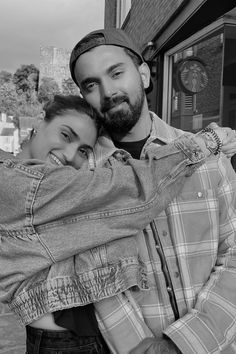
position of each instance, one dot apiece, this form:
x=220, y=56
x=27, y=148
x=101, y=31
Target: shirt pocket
x=194, y=227
x=194, y=216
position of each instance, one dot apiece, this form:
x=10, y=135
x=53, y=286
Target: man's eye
x=116, y=74
x=90, y=86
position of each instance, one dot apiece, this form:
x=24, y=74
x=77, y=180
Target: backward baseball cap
x=110, y=36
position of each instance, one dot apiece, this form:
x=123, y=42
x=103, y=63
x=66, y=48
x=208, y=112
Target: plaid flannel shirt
x=196, y=235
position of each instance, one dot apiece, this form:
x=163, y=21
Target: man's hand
x=228, y=137
x=155, y=346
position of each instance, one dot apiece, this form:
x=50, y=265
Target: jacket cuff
x=190, y=148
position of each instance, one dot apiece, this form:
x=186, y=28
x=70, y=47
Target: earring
x=32, y=133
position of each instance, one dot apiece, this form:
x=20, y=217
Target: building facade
x=54, y=64
x=190, y=46
x=9, y=134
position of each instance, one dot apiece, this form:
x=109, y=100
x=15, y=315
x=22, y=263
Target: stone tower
x=54, y=63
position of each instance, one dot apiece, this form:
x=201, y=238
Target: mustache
x=112, y=102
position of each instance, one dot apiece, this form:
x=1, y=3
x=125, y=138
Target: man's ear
x=145, y=74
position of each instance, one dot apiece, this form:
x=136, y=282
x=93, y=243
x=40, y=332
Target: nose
x=107, y=89
x=72, y=157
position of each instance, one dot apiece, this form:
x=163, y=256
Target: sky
x=27, y=24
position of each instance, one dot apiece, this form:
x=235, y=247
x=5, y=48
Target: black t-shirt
x=133, y=147
x=82, y=319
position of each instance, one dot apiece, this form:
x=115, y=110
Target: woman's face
x=66, y=140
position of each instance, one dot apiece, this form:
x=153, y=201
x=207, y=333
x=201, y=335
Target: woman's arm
x=49, y=214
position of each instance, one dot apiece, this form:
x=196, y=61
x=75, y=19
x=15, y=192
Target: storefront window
x=199, y=78
x=229, y=78
x=199, y=81
x=196, y=84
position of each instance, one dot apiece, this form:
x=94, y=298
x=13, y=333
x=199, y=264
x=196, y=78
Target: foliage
x=21, y=96
x=18, y=102
x=69, y=87
x=5, y=77
x=8, y=98
x=47, y=89
x=26, y=80
x=29, y=108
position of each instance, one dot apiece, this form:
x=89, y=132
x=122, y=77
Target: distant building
x=9, y=134
x=54, y=63
x=11, y=137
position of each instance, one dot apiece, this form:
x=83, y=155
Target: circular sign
x=192, y=75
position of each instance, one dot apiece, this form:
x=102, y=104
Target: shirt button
x=176, y=274
x=199, y=195
x=164, y=233
x=169, y=289
x=157, y=247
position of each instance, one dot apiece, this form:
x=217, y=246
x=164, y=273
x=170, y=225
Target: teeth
x=54, y=158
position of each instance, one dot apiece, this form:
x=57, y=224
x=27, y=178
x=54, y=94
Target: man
x=189, y=249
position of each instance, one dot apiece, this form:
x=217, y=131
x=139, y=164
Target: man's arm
x=210, y=327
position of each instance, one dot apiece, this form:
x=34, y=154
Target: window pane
x=196, y=84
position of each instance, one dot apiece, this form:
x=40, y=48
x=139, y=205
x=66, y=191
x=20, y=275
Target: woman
x=67, y=211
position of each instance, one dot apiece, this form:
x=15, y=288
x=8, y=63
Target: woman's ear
x=145, y=74
x=39, y=121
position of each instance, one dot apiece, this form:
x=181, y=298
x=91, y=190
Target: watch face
x=192, y=76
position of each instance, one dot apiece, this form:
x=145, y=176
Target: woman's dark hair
x=61, y=104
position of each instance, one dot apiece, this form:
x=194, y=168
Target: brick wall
x=148, y=17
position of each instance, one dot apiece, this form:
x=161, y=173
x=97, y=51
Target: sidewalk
x=12, y=335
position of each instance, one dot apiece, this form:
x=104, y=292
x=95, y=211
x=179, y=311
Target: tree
x=26, y=80
x=69, y=87
x=47, y=89
x=8, y=98
x=5, y=77
x=18, y=104
x=28, y=108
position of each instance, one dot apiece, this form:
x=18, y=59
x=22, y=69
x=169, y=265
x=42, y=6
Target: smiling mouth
x=55, y=160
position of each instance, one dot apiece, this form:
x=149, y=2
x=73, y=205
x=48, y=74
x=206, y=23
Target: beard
x=122, y=120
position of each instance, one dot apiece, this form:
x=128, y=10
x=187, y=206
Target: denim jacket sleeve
x=51, y=213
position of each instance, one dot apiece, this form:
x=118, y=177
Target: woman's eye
x=65, y=136
x=84, y=153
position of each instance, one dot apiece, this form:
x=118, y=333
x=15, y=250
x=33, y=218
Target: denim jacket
x=49, y=214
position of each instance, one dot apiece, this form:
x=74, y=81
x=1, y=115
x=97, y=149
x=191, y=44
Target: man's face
x=113, y=85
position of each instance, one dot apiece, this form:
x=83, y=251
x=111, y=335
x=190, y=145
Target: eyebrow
x=71, y=130
x=95, y=79
x=115, y=66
